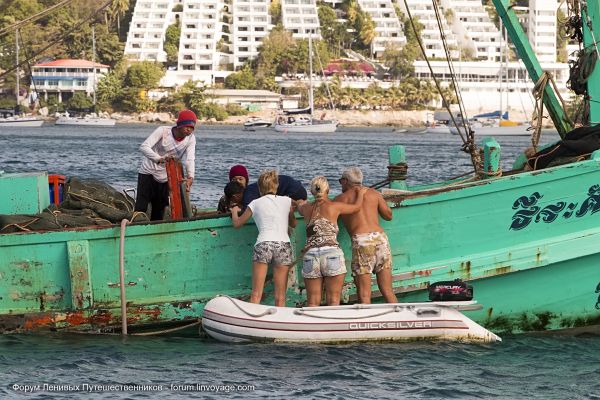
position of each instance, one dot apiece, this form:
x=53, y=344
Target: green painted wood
x=526, y=53
x=459, y=231
x=397, y=156
x=491, y=157
x=79, y=268
x=591, y=35
x=24, y=193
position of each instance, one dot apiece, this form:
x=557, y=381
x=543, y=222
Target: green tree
x=118, y=8
x=171, y=45
x=110, y=88
x=366, y=29
x=80, y=101
x=144, y=75
x=561, y=37
x=275, y=12
x=333, y=33
x=243, y=79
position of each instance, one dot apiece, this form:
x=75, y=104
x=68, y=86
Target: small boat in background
x=86, y=120
x=232, y=320
x=19, y=121
x=256, y=122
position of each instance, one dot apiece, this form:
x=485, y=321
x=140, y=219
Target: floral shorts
x=323, y=261
x=276, y=253
x=370, y=253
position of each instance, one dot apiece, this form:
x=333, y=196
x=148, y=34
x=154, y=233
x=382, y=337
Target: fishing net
x=86, y=203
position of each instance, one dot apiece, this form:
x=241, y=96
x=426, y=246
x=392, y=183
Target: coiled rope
x=538, y=112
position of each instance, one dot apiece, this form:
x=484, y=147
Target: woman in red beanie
x=237, y=173
x=176, y=142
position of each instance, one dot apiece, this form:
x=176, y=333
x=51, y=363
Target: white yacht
x=86, y=120
x=19, y=121
x=256, y=122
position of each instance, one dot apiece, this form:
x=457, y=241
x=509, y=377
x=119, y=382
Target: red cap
x=238, y=170
x=186, y=118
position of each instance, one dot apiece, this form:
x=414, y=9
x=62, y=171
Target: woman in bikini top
x=323, y=260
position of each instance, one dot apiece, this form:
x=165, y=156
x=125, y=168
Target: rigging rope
x=538, y=113
x=325, y=81
x=60, y=39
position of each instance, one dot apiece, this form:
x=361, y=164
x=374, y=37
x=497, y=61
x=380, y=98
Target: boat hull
x=528, y=243
x=233, y=320
x=320, y=127
x=85, y=121
x=22, y=122
x=444, y=130
x=519, y=130
x=257, y=125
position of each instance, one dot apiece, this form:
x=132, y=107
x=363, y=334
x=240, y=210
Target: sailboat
x=88, y=119
x=18, y=120
x=303, y=120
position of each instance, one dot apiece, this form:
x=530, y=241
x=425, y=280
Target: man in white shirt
x=165, y=142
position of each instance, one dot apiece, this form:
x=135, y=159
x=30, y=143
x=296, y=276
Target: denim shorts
x=276, y=253
x=323, y=261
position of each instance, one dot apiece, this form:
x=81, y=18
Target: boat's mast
x=590, y=13
x=94, y=63
x=501, y=71
x=310, y=72
x=17, y=87
x=526, y=53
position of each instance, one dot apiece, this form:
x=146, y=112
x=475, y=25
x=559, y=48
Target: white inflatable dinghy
x=232, y=320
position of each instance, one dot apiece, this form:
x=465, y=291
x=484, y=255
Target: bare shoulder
x=373, y=193
x=342, y=197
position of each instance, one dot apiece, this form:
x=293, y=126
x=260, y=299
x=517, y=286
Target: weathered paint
x=491, y=157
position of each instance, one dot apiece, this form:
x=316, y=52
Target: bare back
x=367, y=218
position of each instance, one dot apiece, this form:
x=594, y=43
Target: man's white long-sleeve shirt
x=161, y=144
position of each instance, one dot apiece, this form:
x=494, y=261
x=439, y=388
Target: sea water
x=55, y=366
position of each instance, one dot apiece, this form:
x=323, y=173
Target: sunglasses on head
x=342, y=179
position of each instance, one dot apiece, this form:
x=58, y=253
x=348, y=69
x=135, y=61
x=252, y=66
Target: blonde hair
x=268, y=182
x=319, y=187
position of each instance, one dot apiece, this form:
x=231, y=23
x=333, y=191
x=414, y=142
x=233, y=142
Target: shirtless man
x=370, y=246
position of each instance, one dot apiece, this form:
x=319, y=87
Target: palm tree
x=117, y=9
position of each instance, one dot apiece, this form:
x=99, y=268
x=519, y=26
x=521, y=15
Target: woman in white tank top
x=272, y=215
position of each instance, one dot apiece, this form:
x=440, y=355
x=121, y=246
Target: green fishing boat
x=526, y=240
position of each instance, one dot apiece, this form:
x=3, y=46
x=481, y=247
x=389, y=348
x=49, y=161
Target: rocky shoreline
x=346, y=118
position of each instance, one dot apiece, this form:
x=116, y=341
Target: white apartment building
x=388, y=29
x=251, y=23
x=300, y=17
x=473, y=28
x=149, y=23
x=203, y=45
x=489, y=86
x=542, y=29
x=423, y=11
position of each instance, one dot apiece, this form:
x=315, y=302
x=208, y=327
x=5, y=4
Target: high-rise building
x=149, y=23
x=475, y=32
x=388, y=29
x=422, y=10
x=300, y=17
x=542, y=28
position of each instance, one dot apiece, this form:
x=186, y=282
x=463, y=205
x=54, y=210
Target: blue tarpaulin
x=494, y=114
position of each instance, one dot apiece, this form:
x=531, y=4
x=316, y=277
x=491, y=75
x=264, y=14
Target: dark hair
x=232, y=188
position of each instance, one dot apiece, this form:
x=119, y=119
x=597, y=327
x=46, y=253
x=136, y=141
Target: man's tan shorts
x=370, y=253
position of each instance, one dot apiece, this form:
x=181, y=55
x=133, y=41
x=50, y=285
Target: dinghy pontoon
x=231, y=320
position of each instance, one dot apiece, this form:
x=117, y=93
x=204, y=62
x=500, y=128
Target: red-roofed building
x=65, y=77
